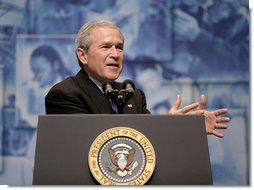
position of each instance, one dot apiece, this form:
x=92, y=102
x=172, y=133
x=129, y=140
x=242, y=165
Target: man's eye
x=119, y=47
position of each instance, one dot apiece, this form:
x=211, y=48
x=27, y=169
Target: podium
x=64, y=144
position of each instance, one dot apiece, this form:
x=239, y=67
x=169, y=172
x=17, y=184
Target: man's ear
x=82, y=55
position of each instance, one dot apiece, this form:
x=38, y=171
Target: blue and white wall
x=187, y=47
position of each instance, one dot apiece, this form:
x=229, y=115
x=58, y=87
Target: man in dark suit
x=100, y=52
x=79, y=94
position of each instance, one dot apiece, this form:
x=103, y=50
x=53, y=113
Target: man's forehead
x=106, y=33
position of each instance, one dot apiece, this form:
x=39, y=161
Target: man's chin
x=112, y=77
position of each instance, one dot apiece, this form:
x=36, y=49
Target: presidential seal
x=121, y=156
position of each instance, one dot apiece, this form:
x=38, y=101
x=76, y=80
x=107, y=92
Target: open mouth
x=113, y=65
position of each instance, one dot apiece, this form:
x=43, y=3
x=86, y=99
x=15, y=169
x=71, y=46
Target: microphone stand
x=122, y=98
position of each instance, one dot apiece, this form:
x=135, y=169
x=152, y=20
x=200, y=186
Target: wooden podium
x=179, y=142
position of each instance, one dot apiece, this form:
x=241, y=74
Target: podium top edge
x=120, y=115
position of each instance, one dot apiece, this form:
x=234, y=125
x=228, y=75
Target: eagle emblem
x=122, y=156
x=119, y=156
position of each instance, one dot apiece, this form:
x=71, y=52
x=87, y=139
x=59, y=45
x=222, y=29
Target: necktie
x=114, y=109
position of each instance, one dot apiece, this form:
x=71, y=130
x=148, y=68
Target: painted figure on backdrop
x=221, y=29
x=47, y=68
x=160, y=91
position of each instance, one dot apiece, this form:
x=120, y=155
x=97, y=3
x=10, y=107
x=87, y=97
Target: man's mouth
x=113, y=65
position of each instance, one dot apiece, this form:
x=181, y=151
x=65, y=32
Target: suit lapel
x=130, y=107
x=99, y=100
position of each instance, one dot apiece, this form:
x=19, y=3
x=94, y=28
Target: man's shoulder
x=66, y=83
x=72, y=81
x=65, y=89
x=69, y=87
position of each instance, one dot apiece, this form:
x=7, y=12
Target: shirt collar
x=98, y=83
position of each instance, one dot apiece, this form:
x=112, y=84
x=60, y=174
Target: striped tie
x=114, y=109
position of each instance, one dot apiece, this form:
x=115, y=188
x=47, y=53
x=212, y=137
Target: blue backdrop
x=187, y=47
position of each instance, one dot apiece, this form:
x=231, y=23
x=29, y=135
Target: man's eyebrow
x=120, y=44
x=111, y=43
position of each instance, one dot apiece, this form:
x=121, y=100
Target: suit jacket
x=80, y=95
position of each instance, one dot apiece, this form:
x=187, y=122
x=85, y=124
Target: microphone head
x=107, y=87
x=129, y=86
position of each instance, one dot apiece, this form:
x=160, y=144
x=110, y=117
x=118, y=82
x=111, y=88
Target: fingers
x=190, y=107
x=220, y=111
x=175, y=108
x=177, y=103
x=217, y=134
x=221, y=126
x=202, y=102
x=222, y=119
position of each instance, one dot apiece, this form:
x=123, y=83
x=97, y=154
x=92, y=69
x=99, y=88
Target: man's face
x=104, y=60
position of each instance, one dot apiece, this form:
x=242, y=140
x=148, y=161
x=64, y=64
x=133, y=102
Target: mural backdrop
x=187, y=47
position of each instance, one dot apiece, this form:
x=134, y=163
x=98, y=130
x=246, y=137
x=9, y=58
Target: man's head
x=99, y=48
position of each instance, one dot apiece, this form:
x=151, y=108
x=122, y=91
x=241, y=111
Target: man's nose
x=113, y=52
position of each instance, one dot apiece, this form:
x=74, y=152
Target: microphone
x=125, y=93
x=112, y=93
x=129, y=86
x=119, y=97
x=107, y=87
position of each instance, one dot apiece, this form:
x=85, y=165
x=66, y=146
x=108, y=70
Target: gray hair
x=83, y=39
